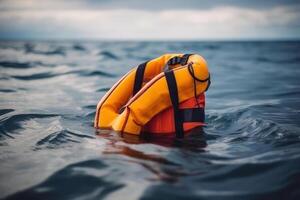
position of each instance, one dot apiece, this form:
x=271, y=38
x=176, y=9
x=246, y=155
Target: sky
x=150, y=20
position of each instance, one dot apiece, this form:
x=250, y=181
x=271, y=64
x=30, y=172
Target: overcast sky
x=150, y=20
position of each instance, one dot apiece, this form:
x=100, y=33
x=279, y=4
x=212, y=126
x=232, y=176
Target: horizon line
x=152, y=40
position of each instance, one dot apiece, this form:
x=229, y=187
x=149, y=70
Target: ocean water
x=250, y=148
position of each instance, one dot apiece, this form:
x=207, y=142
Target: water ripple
x=78, y=48
x=46, y=75
x=54, y=140
x=249, y=148
x=108, y=55
x=19, y=65
x=30, y=48
x=98, y=73
x=73, y=176
x=10, y=124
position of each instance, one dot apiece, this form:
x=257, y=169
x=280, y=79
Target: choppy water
x=250, y=148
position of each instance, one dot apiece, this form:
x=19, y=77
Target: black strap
x=139, y=77
x=172, y=86
x=192, y=114
x=177, y=60
x=192, y=73
x=185, y=59
x=208, y=84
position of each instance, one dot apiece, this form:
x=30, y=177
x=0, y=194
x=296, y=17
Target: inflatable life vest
x=163, y=95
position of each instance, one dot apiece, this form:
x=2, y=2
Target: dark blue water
x=250, y=148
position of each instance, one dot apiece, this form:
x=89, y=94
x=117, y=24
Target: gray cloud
x=143, y=5
x=123, y=20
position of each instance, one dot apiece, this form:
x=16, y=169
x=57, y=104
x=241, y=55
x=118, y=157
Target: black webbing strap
x=174, y=61
x=184, y=59
x=192, y=114
x=172, y=86
x=139, y=77
x=177, y=60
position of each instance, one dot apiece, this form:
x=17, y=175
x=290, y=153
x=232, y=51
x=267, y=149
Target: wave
x=19, y=65
x=4, y=111
x=35, y=76
x=10, y=124
x=46, y=75
x=7, y=90
x=73, y=176
x=30, y=48
x=78, y=47
x=65, y=136
x=105, y=89
x=244, y=124
x=279, y=61
x=97, y=73
x=108, y=55
x=251, y=137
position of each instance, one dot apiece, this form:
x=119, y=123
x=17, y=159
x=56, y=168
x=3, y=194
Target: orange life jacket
x=163, y=95
x=192, y=115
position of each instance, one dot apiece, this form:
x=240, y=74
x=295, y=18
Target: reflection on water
x=193, y=141
x=250, y=148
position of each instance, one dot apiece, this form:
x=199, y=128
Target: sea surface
x=250, y=148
